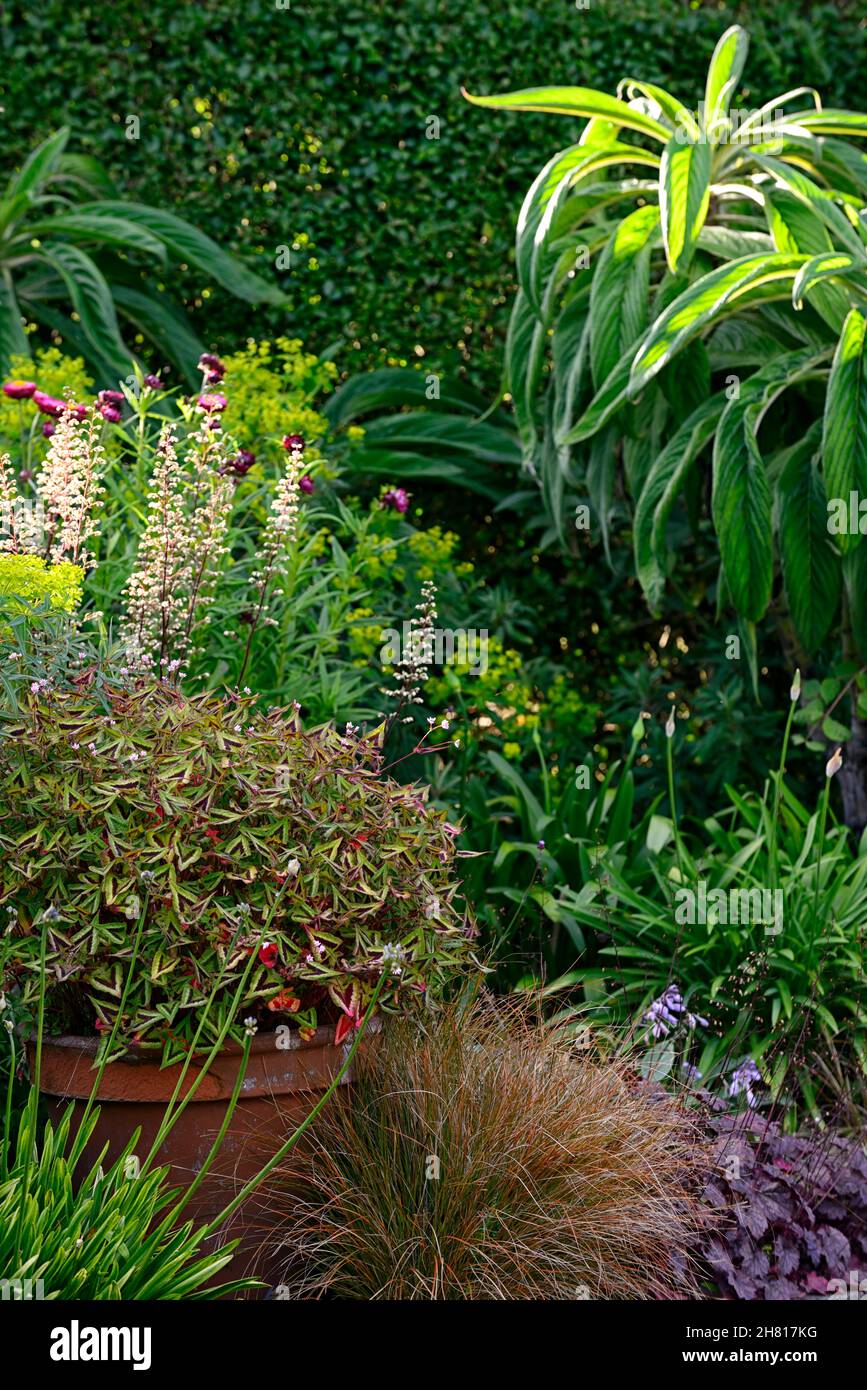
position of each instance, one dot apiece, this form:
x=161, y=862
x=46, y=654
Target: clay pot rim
x=262, y=1043
x=68, y=1063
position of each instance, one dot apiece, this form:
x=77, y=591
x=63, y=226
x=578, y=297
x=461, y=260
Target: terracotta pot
x=280, y=1087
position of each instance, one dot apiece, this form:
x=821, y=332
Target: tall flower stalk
x=63, y=518
x=280, y=540
x=179, y=553
x=411, y=668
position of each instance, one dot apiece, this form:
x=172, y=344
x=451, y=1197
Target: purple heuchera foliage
x=789, y=1210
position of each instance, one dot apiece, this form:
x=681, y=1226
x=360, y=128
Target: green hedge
x=271, y=126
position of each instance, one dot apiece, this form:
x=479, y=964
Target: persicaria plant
x=189, y=857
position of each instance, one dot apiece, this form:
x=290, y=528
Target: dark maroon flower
x=26, y=473
x=49, y=405
x=293, y=441
x=48, y=429
x=212, y=402
x=397, y=498
x=241, y=463
x=306, y=484
x=153, y=381
x=268, y=954
x=110, y=413
x=111, y=398
x=19, y=390
x=213, y=368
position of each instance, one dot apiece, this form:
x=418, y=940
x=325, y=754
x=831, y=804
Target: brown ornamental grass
x=480, y=1157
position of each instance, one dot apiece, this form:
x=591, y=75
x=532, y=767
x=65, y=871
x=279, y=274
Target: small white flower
x=292, y=867
x=444, y=724
x=834, y=763
x=251, y=1027
x=795, y=692
x=391, y=958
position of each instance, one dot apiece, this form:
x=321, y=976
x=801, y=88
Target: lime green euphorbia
x=30, y=579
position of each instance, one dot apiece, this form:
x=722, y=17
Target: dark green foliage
x=272, y=126
x=74, y=258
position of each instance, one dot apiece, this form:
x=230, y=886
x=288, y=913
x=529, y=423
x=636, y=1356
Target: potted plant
x=215, y=897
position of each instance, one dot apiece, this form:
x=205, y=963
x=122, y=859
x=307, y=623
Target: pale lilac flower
x=666, y=1012
x=743, y=1079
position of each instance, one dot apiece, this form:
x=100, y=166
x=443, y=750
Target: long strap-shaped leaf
x=737, y=282
x=92, y=299
x=674, y=111
x=546, y=196
x=752, y=279
x=575, y=101
x=742, y=509
x=811, y=566
x=831, y=122
x=684, y=195
x=830, y=265
x=36, y=169
x=819, y=200
x=618, y=297
x=13, y=339
x=666, y=478
x=187, y=243
x=723, y=76
x=844, y=440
